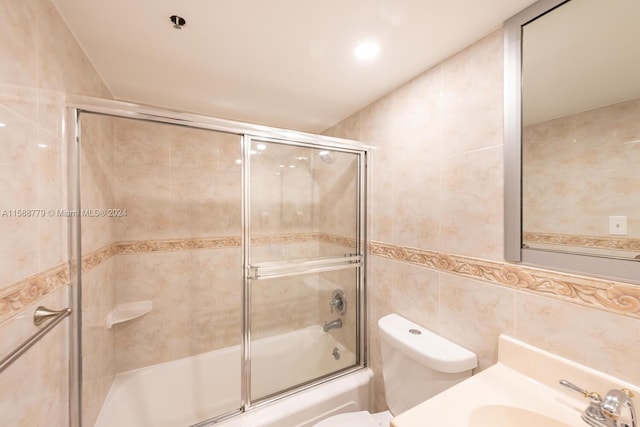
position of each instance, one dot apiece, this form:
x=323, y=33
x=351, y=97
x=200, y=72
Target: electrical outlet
x=618, y=225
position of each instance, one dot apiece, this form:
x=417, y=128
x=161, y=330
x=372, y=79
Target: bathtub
x=185, y=392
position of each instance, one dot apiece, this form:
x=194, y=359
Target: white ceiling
x=583, y=55
x=284, y=63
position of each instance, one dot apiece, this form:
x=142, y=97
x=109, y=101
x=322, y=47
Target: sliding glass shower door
x=303, y=262
x=217, y=265
x=161, y=285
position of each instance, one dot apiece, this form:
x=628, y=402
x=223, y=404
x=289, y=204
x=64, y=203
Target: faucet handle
x=595, y=397
x=592, y=415
x=338, y=302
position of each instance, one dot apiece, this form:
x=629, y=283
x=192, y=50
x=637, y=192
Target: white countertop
x=525, y=377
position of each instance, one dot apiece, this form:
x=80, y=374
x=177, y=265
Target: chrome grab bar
x=39, y=316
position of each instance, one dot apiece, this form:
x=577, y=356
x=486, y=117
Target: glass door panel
x=301, y=196
x=304, y=263
x=176, y=196
x=289, y=344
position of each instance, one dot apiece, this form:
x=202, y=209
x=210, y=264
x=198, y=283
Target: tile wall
x=175, y=182
x=580, y=169
x=436, y=228
x=41, y=64
x=34, y=389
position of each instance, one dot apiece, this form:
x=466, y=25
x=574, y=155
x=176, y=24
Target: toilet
x=416, y=365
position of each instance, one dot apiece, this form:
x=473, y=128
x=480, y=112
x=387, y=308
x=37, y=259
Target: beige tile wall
x=97, y=165
x=437, y=185
x=473, y=313
x=338, y=194
x=34, y=389
x=175, y=182
x=41, y=64
x=581, y=168
x=284, y=304
x=98, y=352
x=196, y=299
x=284, y=190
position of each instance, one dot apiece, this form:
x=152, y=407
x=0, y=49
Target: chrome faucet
x=618, y=406
x=334, y=324
x=616, y=410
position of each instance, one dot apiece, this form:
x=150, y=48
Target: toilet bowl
x=416, y=365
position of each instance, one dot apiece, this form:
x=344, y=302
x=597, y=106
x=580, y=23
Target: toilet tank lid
x=425, y=347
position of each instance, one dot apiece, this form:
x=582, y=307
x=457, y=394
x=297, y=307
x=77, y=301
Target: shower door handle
x=272, y=270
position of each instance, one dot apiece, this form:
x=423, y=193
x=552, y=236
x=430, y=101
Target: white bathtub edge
x=351, y=392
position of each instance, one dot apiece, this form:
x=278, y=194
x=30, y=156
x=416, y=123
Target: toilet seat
x=357, y=419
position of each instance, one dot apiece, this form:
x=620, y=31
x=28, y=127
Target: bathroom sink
x=501, y=415
x=521, y=390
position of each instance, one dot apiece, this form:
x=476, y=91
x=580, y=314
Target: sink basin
x=521, y=390
x=501, y=415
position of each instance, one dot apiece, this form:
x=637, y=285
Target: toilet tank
x=418, y=364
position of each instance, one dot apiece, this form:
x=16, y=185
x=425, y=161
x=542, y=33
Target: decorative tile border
x=95, y=258
x=173, y=245
x=602, y=294
x=334, y=239
x=611, y=296
x=21, y=294
x=285, y=238
x=587, y=241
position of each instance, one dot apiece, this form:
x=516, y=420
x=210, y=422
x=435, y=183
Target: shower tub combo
x=247, y=246
x=184, y=392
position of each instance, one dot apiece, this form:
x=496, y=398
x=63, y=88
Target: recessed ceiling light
x=366, y=50
x=261, y=147
x=238, y=162
x=2, y=125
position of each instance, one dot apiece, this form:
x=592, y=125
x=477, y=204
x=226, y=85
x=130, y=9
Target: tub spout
x=334, y=324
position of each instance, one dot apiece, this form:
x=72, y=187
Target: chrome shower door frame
x=270, y=270
x=248, y=132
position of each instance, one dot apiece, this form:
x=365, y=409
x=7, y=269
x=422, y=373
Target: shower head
x=326, y=156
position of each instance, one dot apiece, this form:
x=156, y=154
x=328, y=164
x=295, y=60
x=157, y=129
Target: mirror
x=572, y=137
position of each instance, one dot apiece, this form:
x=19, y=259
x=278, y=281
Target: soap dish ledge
x=128, y=311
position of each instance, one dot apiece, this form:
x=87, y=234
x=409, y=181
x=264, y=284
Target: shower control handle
x=338, y=302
